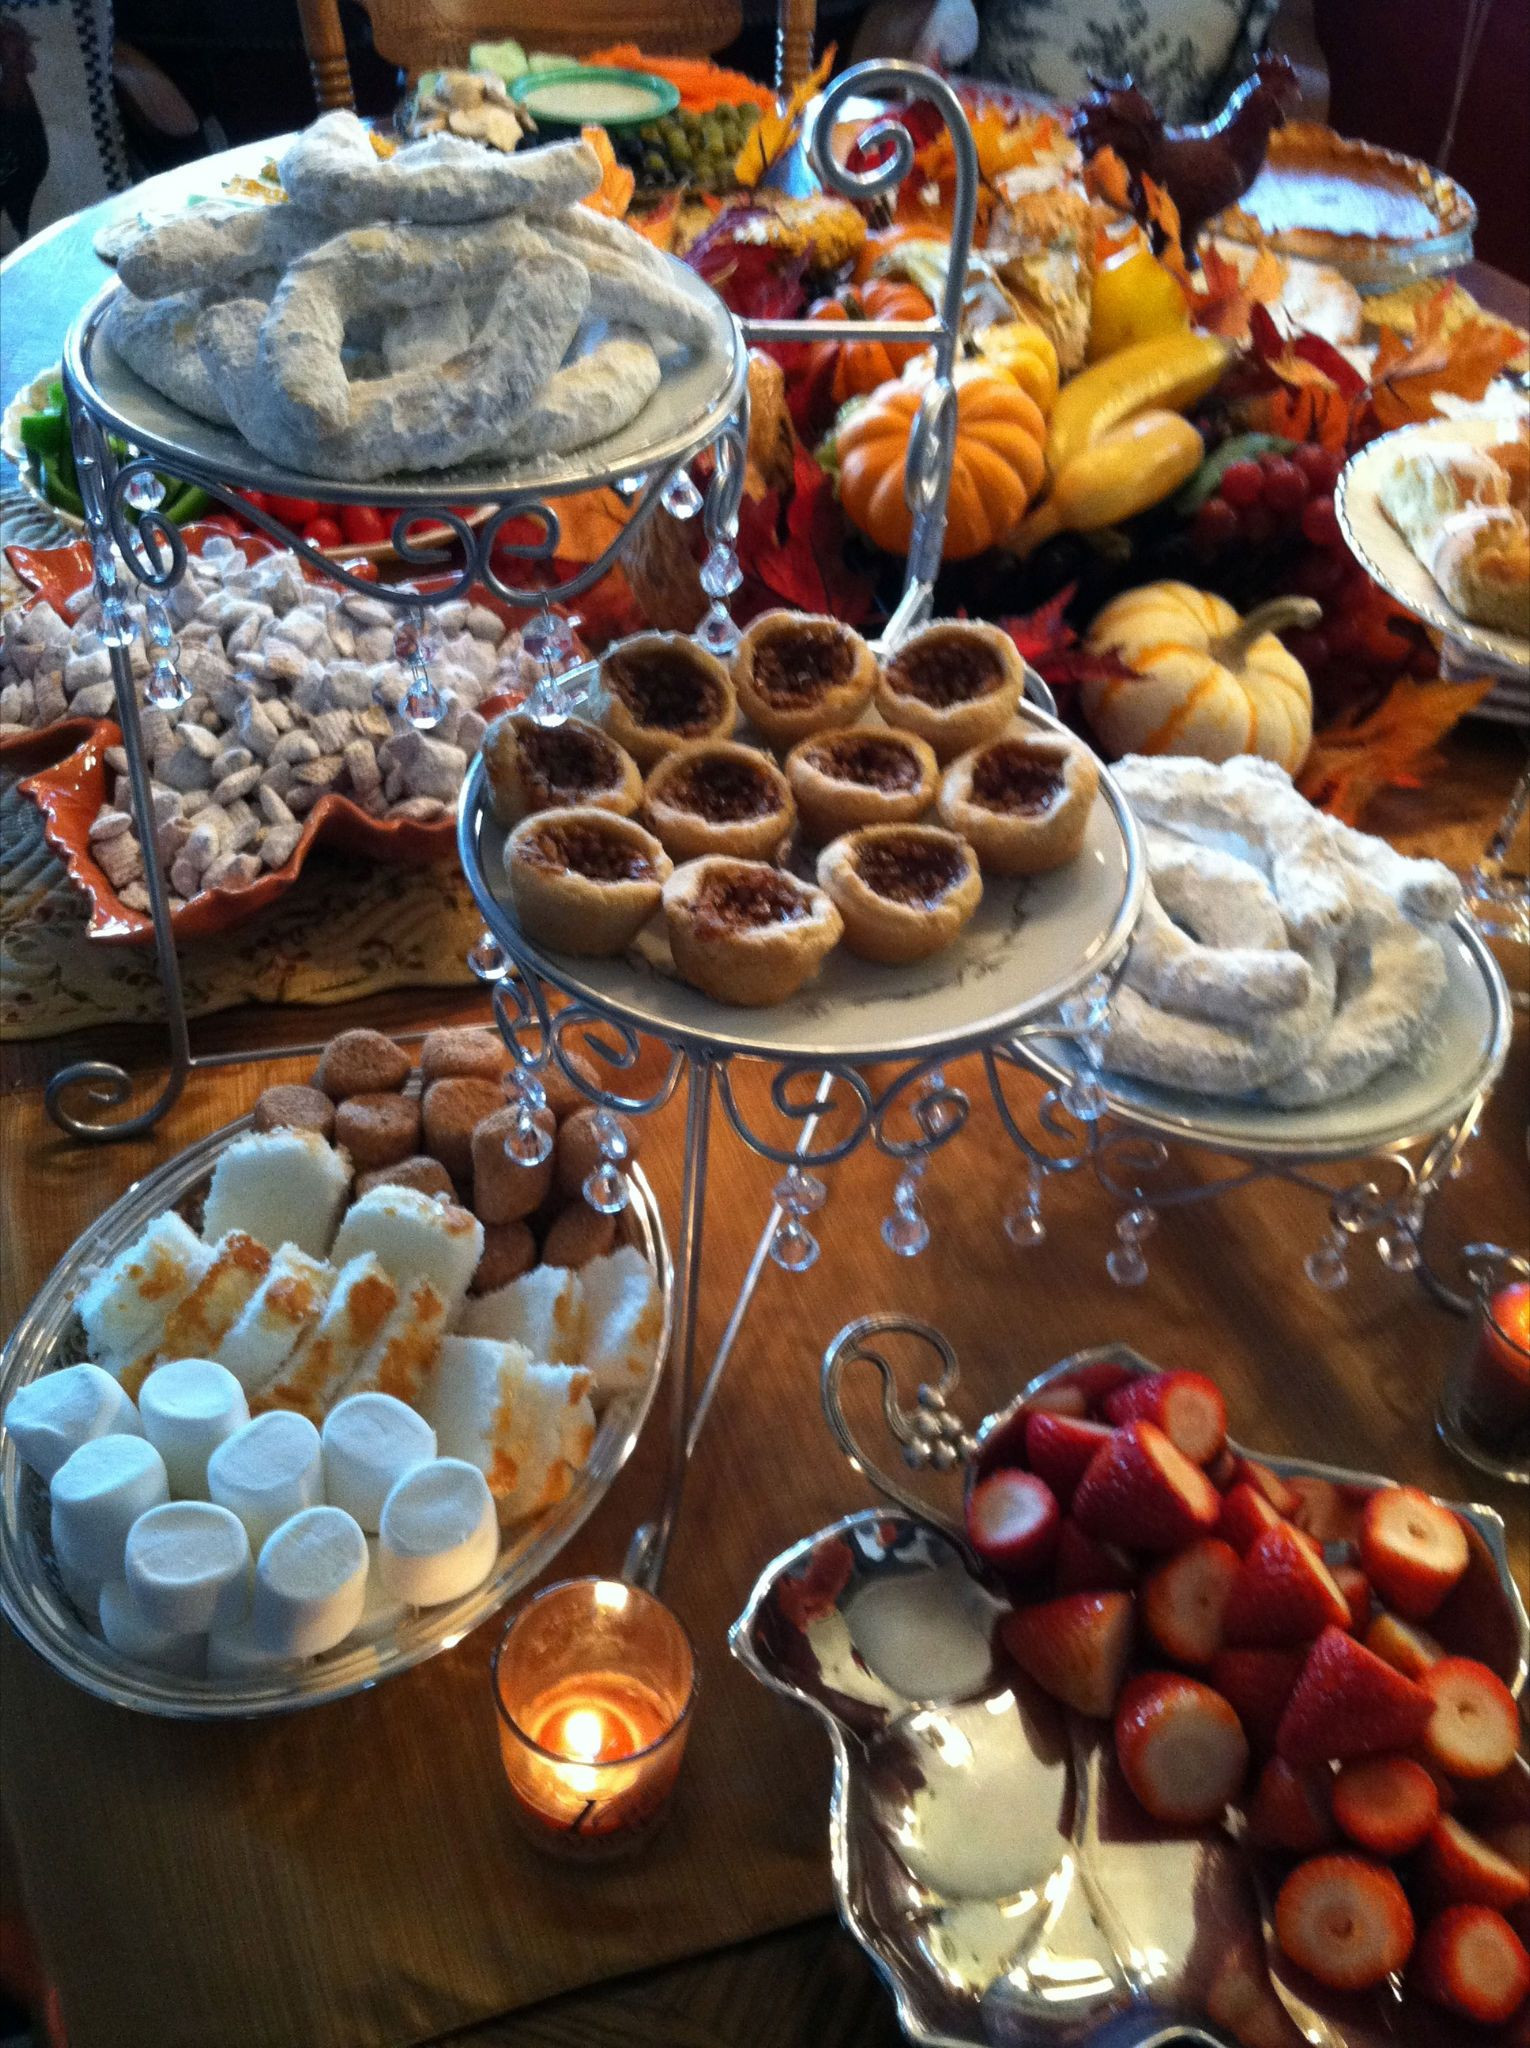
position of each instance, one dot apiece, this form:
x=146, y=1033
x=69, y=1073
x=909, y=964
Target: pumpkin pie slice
x=747, y=933
x=863, y=775
x=904, y=891
x=665, y=692
x=533, y=767
x=584, y=880
x=955, y=683
x=1021, y=802
x=797, y=673
x=719, y=797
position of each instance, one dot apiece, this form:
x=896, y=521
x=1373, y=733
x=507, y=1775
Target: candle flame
x=584, y=1734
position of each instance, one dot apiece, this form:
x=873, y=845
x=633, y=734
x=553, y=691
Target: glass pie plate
x=32, y=1595
x=986, y=1852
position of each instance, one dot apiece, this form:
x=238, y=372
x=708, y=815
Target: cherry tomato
x=360, y=566
x=294, y=512
x=257, y=500
x=323, y=532
x=362, y=525
x=225, y=522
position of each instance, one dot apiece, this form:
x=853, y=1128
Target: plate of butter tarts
x=534, y=767
x=1030, y=943
x=861, y=775
x=956, y=683
x=904, y=891
x=718, y=797
x=1022, y=801
x=746, y=932
x=663, y=692
x=584, y=879
x=798, y=673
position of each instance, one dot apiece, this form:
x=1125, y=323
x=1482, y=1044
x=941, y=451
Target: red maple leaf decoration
x=753, y=278
x=1049, y=644
x=796, y=556
x=920, y=117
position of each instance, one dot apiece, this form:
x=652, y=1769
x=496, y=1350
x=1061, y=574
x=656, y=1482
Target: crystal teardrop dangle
x=487, y=958
x=906, y=1231
x=680, y=498
x=1326, y=1267
x=416, y=644
x=605, y=1187
x=1023, y=1225
x=1126, y=1265
x=793, y=1246
x=144, y=491
x=167, y=689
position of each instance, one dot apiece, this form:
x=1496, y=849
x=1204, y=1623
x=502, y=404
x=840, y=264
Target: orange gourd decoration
x=860, y=366
x=882, y=241
x=996, y=470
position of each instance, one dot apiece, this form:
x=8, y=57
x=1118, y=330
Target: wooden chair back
x=421, y=35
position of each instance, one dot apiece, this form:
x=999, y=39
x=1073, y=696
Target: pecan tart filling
x=534, y=767
x=798, y=673
x=665, y=692
x=955, y=683
x=861, y=776
x=719, y=798
x=904, y=891
x=584, y=880
x=745, y=932
x=1022, y=801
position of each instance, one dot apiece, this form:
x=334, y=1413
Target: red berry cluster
x=1263, y=497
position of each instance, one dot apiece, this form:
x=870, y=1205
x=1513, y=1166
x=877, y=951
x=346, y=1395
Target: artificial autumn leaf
x=919, y=117
x=1224, y=300
x=755, y=277
x=1408, y=376
x=1163, y=222
x=797, y=556
x=588, y=522
x=1051, y=647
x=773, y=133
x=661, y=225
x=1390, y=748
x=1300, y=387
x=617, y=184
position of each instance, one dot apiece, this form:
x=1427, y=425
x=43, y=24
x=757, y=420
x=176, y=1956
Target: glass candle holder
x=1484, y=1413
x=594, y=1681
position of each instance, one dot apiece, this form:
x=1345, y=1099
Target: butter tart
x=863, y=775
x=583, y=879
x=1022, y=802
x=665, y=692
x=904, y=891
x=719, y=797
x=955, y=683
x=797, y=673
x=744, y=932
x=534, y=767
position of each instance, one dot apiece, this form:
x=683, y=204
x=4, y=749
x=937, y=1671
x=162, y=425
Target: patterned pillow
x=1186, y=55
x=60, y=139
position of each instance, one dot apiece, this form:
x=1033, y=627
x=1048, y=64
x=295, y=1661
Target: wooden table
x=1354, y=1374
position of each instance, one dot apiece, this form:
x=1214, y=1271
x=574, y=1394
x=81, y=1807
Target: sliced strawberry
x=1408, y=1650
x=1081, y=1565
x=1474, y=1729
x=1258, y=1683
x=1348, y=1703
x=1356, y=1588
x=1292, y=1809
x=1003, y=1445
x=1270, y=1484
x=1511, y=1838
x=1472, y=1872
x=1284, y=1593
x=1186, y=1406
x=1240, y=1999
x=1063, y=1397
x=1414, y=1549
x=1320, y=1509
x=1387, y=1804
x=1245, y=1516
x=1344, y=1921
x=1180, y=1746
x=1059, y=1447
x=1141, y=1492
x=1223, y=1469
x=1183, y=1600
x=1471, y=1961
x=1012, y=1521
x=1075, y=1648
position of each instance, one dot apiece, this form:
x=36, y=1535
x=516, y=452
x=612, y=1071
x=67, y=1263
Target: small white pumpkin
x=1203, y=680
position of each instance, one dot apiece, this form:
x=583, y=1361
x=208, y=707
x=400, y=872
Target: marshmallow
x=438, y=1536
x=187, y=1566
x=267, y=1471
x=188, y=1408
x=278, y=1316
x=126, y=1631
x=544, y=1310
x=416, y=1237
x=370, y=1441
x=98, y=1493
x=346, y=1335
x=383, y=1611
x=52, y=1416
x=280, y=1186
x=528, y=1428
x=235, y=1653
x=310, y=1583
x=81, y=1589
x=124, y=1308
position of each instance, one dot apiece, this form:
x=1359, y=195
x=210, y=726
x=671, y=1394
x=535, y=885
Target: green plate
x=574, y=95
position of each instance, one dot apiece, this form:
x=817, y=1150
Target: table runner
x=351, y=1877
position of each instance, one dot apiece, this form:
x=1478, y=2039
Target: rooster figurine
x=1202, y=169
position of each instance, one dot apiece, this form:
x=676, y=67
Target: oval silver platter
x=1406, y=1103
x=985, y=1852
x=32, y=1595
x=1030, y=945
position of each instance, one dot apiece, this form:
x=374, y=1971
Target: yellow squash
x=1169, y=372
x=1203, y=680
x=1022, y=351
x=1135, y=298
x=1134, y=466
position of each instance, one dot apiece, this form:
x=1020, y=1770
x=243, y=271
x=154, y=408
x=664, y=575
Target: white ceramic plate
x=1029, y=946
x=1386, y=557
x=1467, y=1050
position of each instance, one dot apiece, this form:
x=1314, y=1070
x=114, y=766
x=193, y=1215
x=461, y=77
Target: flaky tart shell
x=517, y=788
x=751, y=966
x=877, y=927
x=687, y=833
x=828, y=804
x=1022, y=842
x=647, y=740
x=952, y=728
x=838, y=703
x=581, y=913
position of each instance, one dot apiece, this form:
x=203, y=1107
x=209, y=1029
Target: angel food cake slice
x=527, y=1427
x=282, y=1187
x=354, y=1319
x=199, y=1322
x=623, y=1316
x=278, y=1315
x=544, y=1310
x=403, y=1360
x=124, y=1308
x=416, y=1237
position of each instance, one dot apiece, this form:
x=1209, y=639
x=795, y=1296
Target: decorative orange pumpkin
x=882, y=241
x=996, y=470
x=1203, y=680
x=860, y=366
